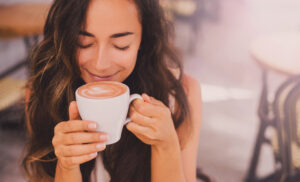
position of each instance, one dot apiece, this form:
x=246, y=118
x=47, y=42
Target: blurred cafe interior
x=244, y=53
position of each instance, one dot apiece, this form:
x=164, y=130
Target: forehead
x=112, y=16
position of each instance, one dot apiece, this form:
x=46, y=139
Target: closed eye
x=121, y=48
x=84, y=46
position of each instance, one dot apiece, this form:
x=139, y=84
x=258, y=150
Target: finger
x=73, y=111
x=140, y=119
x=157, y=102
x=138, y=129
x=145, y=108
x=146, y=98
x=75, y=126
x=76, y=160
x=78, y=150
x=84, y=137
x=145, y=139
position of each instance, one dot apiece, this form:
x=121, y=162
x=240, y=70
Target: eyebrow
x=121, y=34
x=112, y=36
x=86, y=34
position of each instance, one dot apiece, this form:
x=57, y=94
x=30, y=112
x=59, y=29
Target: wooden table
x=22, y=20
x=278, y=53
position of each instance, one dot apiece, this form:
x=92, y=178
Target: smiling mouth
x=101, y=78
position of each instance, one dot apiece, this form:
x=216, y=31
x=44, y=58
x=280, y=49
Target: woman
x=120, y=40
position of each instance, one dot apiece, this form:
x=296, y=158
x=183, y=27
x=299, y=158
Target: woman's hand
x=152, y=123
x=75, y=141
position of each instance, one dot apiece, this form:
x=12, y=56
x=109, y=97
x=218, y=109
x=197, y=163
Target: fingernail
x=93, y=154
x=101, y=145
x=92, y=125
x=103, y=137
x=147, y=98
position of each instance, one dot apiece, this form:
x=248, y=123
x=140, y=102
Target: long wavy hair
x=55, y=75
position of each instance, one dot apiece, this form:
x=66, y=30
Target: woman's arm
x=62, y=174
x=173, y=164
x=166, y=164
x=189, y=152
x=152, y=123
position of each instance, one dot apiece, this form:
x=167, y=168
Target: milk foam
x=101, y=90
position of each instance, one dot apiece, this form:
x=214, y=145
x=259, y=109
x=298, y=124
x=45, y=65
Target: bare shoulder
x=193, y=92
x=191, y=87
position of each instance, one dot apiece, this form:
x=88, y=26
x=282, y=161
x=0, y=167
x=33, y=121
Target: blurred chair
x=10, y=108
x=24, y=21
x=285, y=141
x=188, y=11
x=279, y=53
x=288, y=118
x=203, y=177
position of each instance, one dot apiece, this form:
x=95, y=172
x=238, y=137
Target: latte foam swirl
x=101, y=90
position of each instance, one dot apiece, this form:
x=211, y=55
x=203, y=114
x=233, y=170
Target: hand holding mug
x=106, y=103
x=75, y=141
x=152, y=122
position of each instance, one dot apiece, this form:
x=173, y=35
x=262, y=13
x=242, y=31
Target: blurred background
x=227, y=46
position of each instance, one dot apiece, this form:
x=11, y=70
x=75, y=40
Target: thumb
x=73, y=111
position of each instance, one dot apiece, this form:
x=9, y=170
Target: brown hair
x=55, y=76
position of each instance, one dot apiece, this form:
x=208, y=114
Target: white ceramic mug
x=109, y=113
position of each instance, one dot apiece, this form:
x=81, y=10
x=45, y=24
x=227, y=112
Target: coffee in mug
x=106, y=103
x=101, y=90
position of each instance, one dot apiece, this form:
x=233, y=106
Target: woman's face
x=109, y=44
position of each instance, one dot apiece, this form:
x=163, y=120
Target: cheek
x=84, y=55
x=126, y=59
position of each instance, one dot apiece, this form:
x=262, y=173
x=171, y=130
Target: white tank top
x=99, y=174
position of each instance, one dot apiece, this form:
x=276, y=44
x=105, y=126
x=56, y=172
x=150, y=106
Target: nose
x=102, y=62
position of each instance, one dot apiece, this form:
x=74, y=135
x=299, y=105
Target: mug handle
x=132, y=98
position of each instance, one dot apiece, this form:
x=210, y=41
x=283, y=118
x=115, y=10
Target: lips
x=101, y=78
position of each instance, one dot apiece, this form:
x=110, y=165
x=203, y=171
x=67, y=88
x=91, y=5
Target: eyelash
x=84, y=47
x=122, y=48
x=89, y=45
